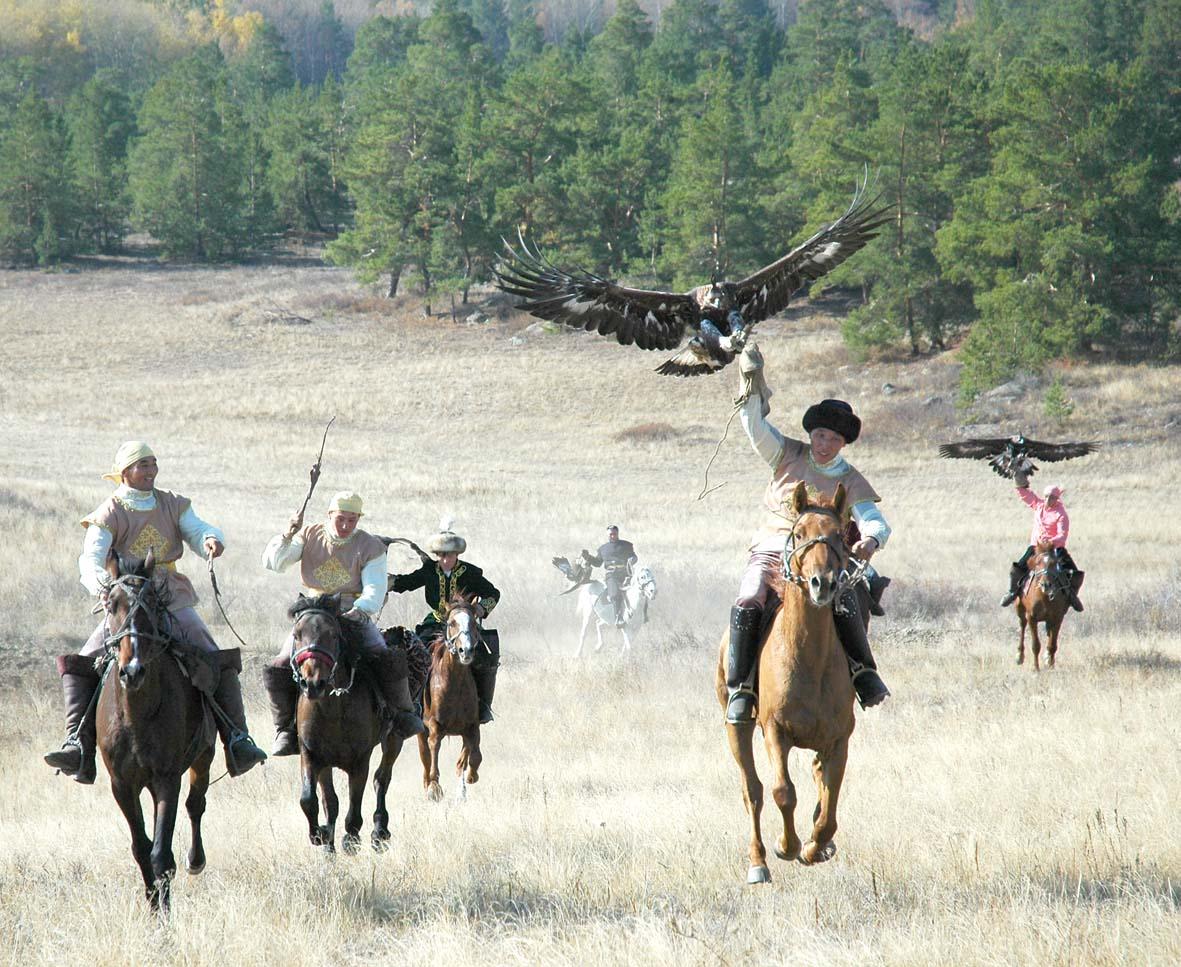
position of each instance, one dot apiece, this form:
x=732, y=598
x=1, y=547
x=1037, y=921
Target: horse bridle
x=135, y=587
x=315, y=652
x=848, y=577
x=450, y=640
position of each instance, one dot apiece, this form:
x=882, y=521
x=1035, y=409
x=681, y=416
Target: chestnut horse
x=338, y=724
x=1045, y=599
x=450, y=705
x=805, y=692
x=152, y=726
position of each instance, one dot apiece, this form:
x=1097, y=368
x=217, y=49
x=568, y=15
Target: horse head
x=315, y=642
x=815, y=558
x=137, y=608
x=645, y=582
x=1046, y=569
x=462, y=633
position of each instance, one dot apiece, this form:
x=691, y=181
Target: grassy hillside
x=989, y=815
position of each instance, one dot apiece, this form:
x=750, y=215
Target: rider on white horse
x=617, y=558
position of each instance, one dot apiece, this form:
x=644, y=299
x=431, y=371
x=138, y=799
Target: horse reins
x=848, y=577
x=314, y=652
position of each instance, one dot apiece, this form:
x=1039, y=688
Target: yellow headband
x=130, y=452
x=346, y=501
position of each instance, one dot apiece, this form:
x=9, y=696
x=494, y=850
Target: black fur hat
x=835, y=415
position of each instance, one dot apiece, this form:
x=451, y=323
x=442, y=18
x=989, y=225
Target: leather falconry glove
x=751, y=380
x=1020, y=477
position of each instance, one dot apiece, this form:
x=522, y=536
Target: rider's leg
x=390, y=677
x=241, y=752
x=870, y=688
x=283, y=697
x=79, y=683
x=484, y=670
x=1017, y=575
x=746, y=619
x=1075, y=578
x=877, y=587
x=615, y=596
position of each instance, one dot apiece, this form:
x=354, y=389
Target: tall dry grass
x=989, y=815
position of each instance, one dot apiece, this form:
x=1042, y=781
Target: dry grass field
x=989, y=815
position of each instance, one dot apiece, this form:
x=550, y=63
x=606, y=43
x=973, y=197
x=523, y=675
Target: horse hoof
x=812, y=854
x=788, y=854
x=351, y=844
x=195, y=867
x=434, y=793
x=758, y=874
x=380, y=842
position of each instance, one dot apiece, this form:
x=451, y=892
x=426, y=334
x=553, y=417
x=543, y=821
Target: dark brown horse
x=152, y=726
x=805, y=692
x=1045, y=599
x=450, y=705
x=338, y=723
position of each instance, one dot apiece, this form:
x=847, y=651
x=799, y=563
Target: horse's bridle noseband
x=317, y=653
x=450, y=640
x=135, y=587
x=849, y=575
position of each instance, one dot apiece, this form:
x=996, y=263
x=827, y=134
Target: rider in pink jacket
x=1051, y=525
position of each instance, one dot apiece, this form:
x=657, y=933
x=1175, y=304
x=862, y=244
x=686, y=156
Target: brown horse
x=450, y=705
x=152, y=726
x=805, y=693
x=338, y=723
x=1045, y=599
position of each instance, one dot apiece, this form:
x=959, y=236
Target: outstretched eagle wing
x=974, y=449
x=769, y=290
x=1053, y=452
x=583, y=300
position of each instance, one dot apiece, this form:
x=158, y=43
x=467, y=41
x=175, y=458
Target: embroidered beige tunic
x=353, y=567
x=135, y=532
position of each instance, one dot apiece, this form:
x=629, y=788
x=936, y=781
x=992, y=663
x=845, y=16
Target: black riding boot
x=877, y=587
x=389, y=674
x=79, y=682
x=484, y=670
x=867, y=683
x=1017, y=575
x=1076, y=583
x=242, y=754
x=283, y=695
x=741, y=653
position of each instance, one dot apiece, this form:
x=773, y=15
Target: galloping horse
x=805, y=692
x=152, y=726
x=338, y=724
x=450, y=705
x=1045, y=599
x=593, y=604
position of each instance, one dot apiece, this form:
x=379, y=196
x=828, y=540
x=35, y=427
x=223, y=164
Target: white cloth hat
x=346, y=501
x=128, y=453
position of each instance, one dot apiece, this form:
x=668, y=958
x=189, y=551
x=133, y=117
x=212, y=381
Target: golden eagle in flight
x=1007, y=454
x=719, y=316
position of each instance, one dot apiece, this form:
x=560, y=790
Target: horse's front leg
x=741, y=739
x=1035, y=644
x=1052, y=641
x=166, y=793
x=783, y=792
x=127, y=796
x=358, y=777
x=829, y=771
x=434, y=791
x=1021, y=640
x=308, y=801
x=331, y=808
x=626, y=647
x=471, y=757
x=195, y=807
x=391, y=746
x=598, y=634
x=582, y=634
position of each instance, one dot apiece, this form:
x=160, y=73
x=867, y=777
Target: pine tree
x=35, y=199
x=101, y=125
x=186, y=169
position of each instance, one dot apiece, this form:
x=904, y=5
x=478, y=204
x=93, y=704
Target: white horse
x=593, y=603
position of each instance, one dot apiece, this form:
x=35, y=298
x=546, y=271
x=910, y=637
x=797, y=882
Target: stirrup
x=237, y=764
x=63, y=759
x=735, y=710
x=876, y=698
